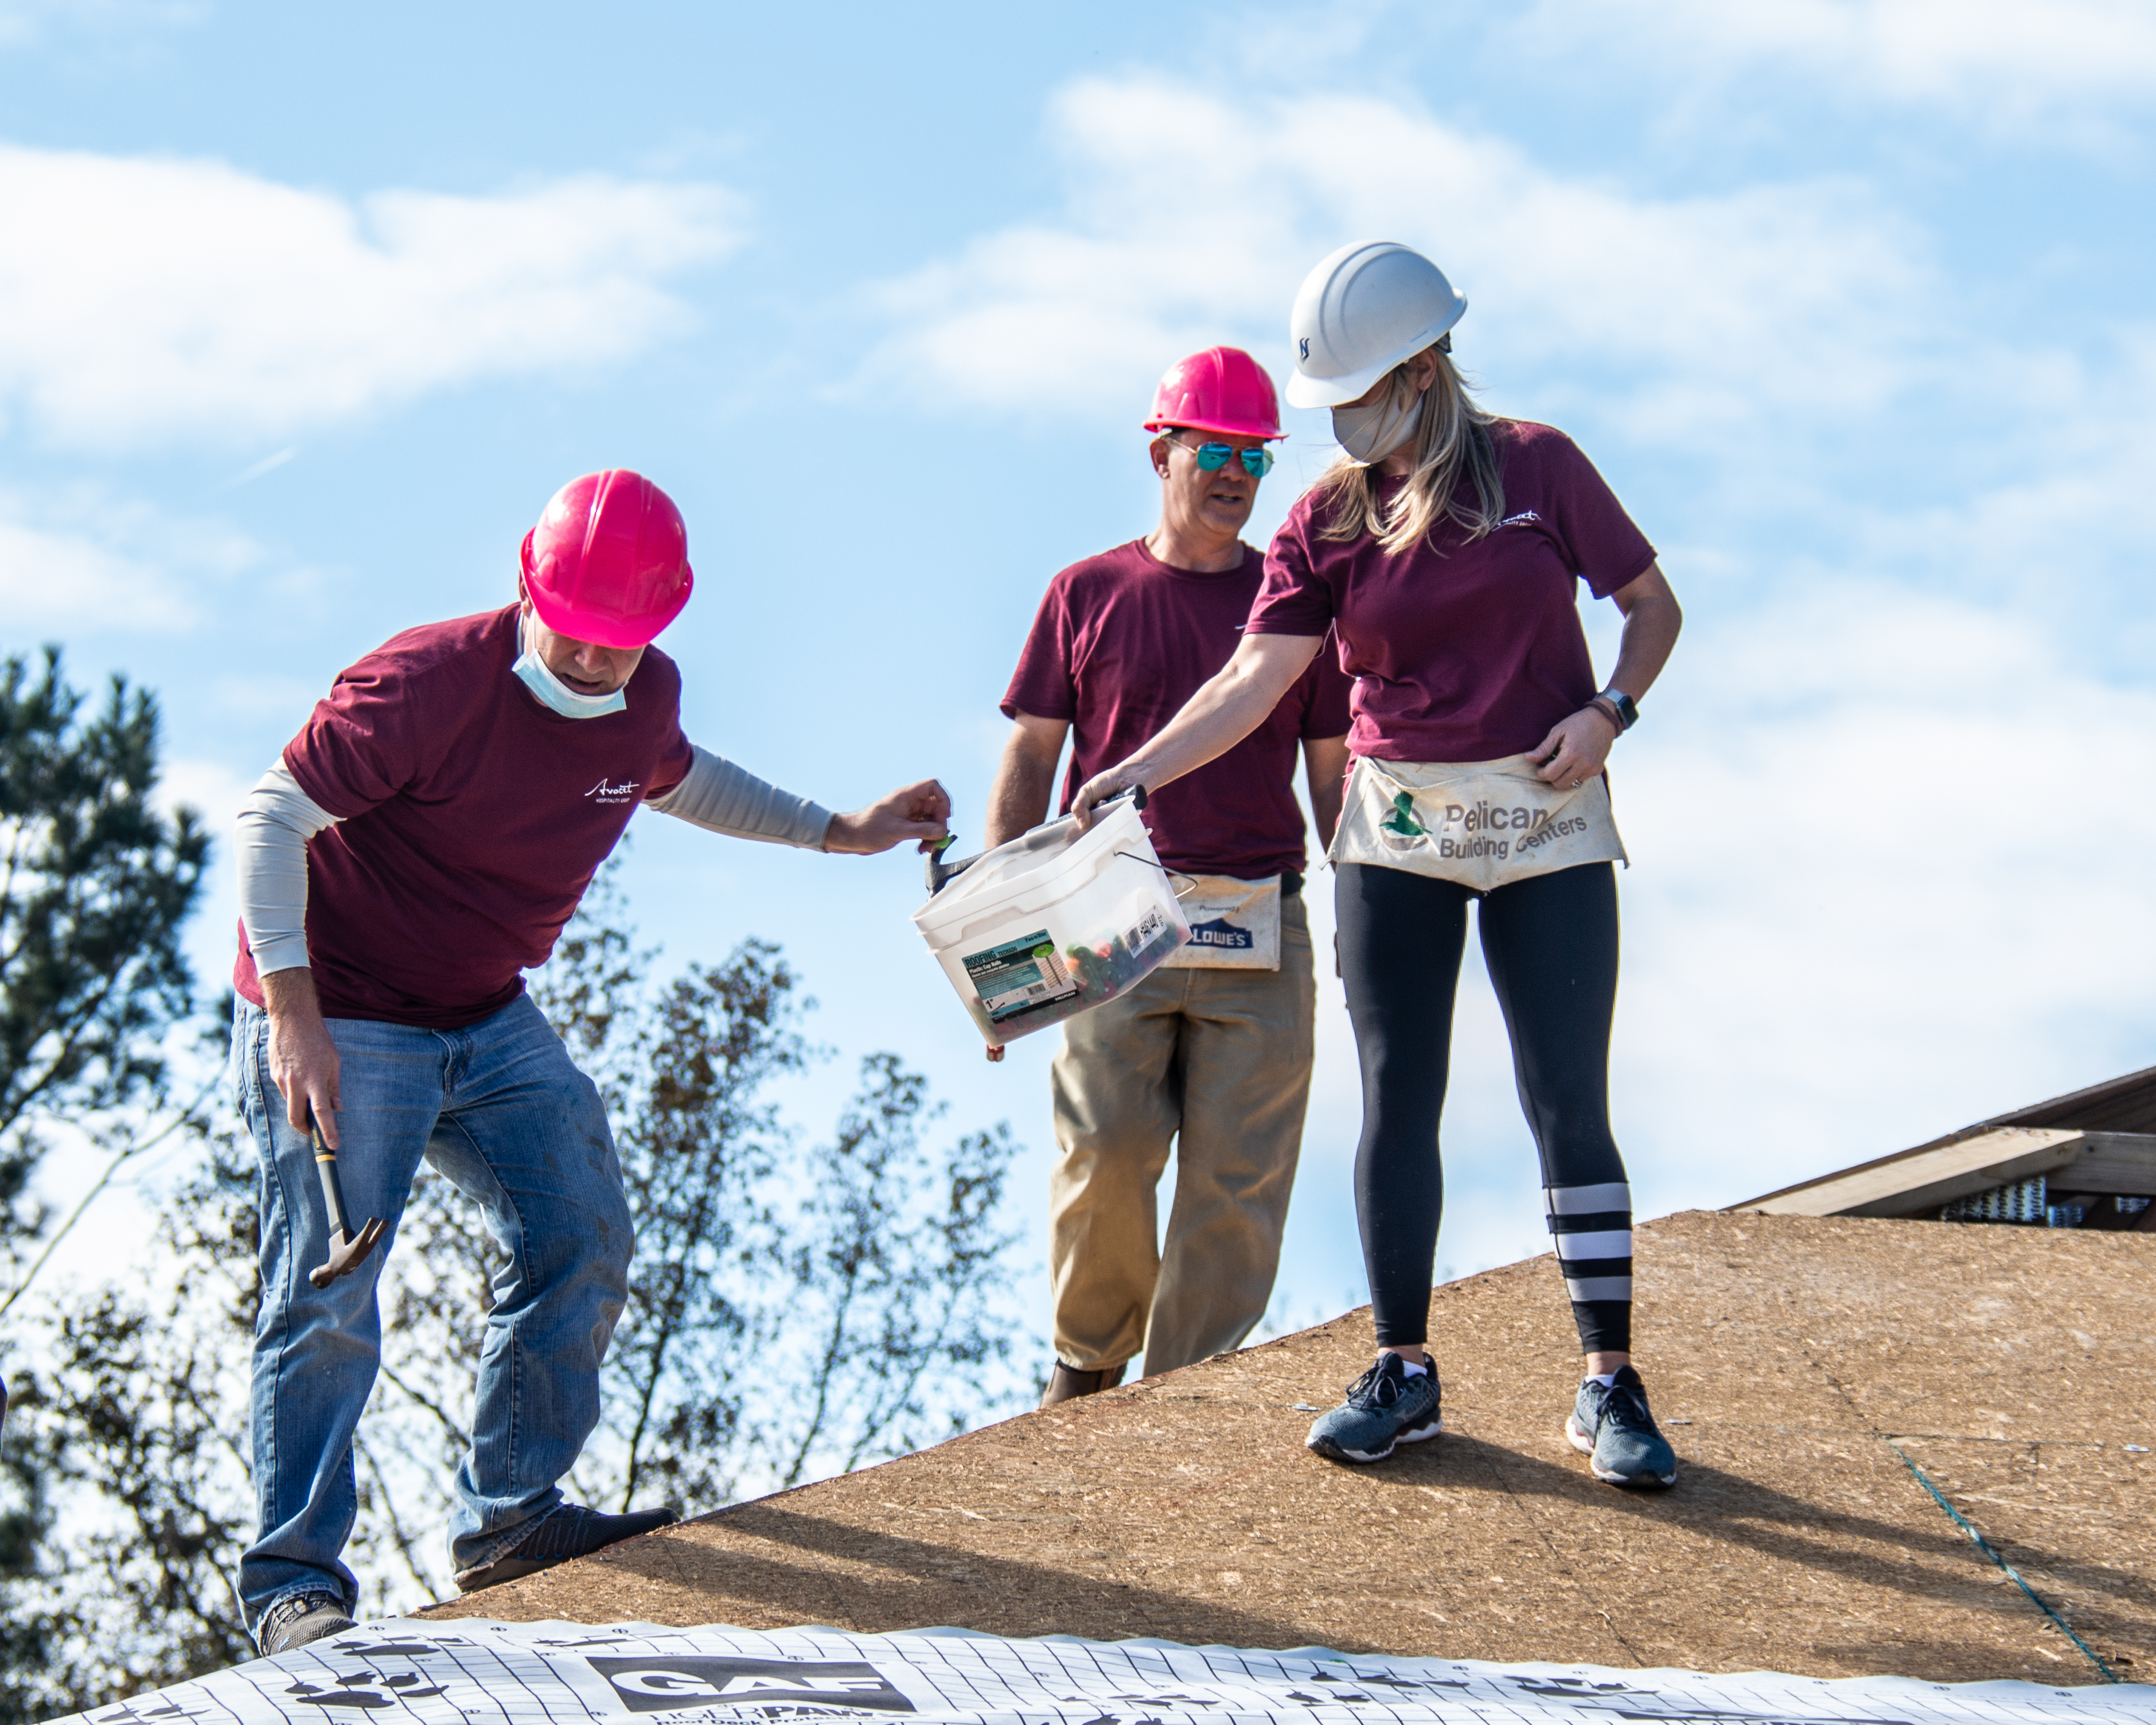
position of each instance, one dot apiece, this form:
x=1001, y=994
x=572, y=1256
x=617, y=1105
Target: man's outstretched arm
x=721, y=797
x=919, y=811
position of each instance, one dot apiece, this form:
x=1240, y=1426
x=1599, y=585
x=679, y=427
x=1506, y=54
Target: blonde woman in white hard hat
x=1445, y=548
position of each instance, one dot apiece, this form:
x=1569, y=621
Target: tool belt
x=1483, y=823
x=1235, y=925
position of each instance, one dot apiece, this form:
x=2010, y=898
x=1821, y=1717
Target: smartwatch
x=1626, y=709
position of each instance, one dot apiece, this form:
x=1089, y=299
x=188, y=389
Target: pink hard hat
x=608, y=562
x=1221, y=389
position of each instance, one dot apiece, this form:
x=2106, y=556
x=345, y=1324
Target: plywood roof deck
x=1804, y=1356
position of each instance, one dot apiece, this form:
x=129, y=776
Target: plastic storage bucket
x=1053, y=922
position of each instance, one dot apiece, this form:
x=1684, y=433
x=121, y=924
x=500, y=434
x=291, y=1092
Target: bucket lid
x=1026, y=863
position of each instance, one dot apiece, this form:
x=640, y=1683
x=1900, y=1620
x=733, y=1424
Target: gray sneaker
x=1385, y=1408
x=1612, y=1427
x=298, y=1619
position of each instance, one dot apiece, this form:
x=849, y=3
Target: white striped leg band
x=1592, y=1226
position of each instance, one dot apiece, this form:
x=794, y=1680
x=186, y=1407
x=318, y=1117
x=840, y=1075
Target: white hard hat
x=1361, y=312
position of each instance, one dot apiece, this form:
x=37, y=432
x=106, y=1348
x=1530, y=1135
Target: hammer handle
x=333, y=1190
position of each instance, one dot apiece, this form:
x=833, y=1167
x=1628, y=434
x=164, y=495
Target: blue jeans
x=500, y=1112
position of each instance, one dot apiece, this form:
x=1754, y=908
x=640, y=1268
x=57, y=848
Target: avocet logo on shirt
x=1525, y=518
x=606, y=791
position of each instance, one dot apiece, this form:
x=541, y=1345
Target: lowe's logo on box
x=666, y=1686
x=1221, y=933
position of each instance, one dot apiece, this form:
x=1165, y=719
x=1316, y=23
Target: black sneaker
x=569, y=1530
x=1385, y=1408
x=298, y=1619
x=1610, y=1425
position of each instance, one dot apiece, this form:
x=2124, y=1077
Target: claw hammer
x=347, y=1252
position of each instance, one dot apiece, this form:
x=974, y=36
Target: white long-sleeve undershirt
x=721, y=797
x=270, y=842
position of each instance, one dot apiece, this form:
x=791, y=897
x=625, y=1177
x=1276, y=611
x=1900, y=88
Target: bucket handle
x=1182, y=892
x=942, y=874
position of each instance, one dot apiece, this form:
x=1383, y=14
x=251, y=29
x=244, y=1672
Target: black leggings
x=1550, y=945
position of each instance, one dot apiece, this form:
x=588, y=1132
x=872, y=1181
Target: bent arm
x=270, y=844
x=1652, y=620
x=1577, y=746
x=1215, y=719
x=1325, y=766
x=1025, y=776
x=720, y=796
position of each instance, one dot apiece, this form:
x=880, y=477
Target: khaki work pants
x=1219, y=1060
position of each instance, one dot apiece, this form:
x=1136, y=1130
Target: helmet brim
x=1305, y=390
x=1226, y=428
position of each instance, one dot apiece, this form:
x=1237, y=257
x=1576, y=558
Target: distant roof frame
x=2098, y=1143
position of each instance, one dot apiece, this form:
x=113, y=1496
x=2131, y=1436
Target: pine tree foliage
x=135, y=1426
x=95, y=883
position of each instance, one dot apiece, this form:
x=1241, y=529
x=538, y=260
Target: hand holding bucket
x=1054, y=923
x=940, y=873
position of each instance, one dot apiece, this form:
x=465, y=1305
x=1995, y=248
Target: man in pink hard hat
x=418, y=846
x=1211, y=1051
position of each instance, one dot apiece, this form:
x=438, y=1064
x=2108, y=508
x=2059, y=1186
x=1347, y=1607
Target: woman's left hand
x=1575, y=749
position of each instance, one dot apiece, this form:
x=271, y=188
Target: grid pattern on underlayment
x=479, y=1672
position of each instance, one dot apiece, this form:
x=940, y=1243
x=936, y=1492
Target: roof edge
x=2073, y=1099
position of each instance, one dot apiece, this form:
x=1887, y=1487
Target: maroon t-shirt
x=1121, y=641
x=472, y=819
x=1463, y=652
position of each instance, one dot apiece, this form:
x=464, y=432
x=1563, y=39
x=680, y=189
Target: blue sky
x=304, y=314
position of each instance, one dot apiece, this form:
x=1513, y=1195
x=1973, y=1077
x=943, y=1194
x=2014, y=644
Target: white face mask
x=1370, y=434
x=558, y=694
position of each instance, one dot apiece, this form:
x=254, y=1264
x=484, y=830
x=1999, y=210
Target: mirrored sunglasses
x=1213, y=457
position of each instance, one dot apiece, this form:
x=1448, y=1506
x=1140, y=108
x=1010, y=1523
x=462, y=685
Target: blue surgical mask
x=558, y=694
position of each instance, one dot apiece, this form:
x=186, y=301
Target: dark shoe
x=567, y=1531
x=298, y=1619
x=1066, y=1384
x=1611, y=1426
x=1385, y=1408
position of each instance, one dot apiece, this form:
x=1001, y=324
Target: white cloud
x=1704, y=313
x=81, y=561
x=26, y=21
x=145, y=299
x=2003, y=62
x=1892, y=877
x=58, y=580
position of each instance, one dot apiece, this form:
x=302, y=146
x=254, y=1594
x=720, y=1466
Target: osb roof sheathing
x=1788, y=1357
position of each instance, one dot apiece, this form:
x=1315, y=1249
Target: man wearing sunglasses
x=1211, y=1051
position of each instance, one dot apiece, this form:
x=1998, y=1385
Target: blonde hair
x=1452, y=443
